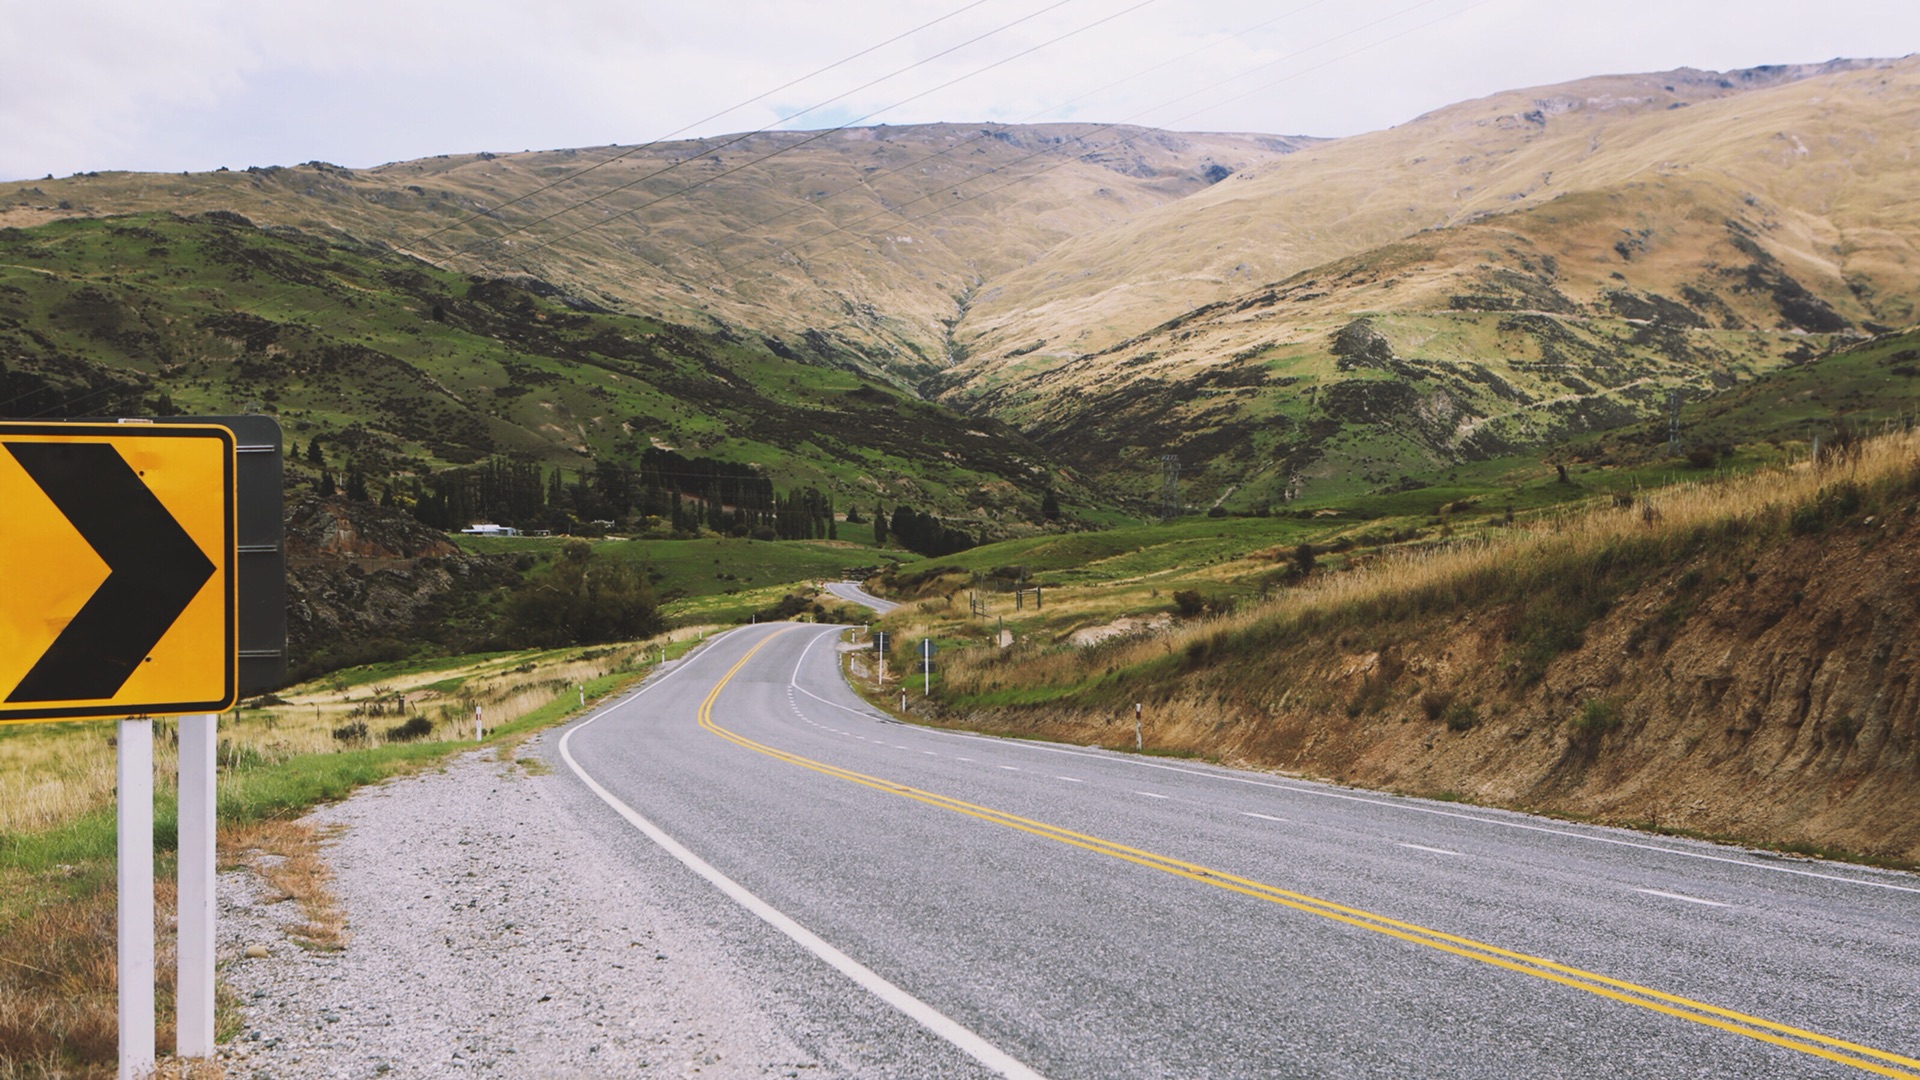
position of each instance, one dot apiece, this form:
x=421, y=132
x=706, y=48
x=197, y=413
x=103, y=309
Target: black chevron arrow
x=155, y=570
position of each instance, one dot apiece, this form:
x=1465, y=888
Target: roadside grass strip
x=1865, y=1058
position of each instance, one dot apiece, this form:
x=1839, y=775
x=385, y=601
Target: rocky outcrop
x=369, y=582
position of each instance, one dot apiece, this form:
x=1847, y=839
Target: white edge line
x=919, y=1011
x=1403, y=804
x=1414, y=807
x=1688, y=899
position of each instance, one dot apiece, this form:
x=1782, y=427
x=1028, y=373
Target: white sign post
x=193, y=1000
x=134, y=767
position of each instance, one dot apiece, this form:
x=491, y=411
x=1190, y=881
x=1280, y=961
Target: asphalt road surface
x=851, y=590
x=941, y=904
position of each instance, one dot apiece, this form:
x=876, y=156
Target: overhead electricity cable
x=439, y=264
x=966, y=199
x=962, y=200
x=789, y=148
x=495, y=240
x=709, y=118
x=987, y=133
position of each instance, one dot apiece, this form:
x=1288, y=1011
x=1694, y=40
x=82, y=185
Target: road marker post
x=477, y=734
x=1136, y=725
x=926, y=667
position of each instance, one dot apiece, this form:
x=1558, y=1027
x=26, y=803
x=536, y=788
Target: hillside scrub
x=1724, y=656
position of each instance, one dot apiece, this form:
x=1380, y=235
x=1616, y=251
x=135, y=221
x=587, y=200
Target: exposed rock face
x=360, y=574
x=318, y=528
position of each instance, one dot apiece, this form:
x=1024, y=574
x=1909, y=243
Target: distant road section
x=851, y=591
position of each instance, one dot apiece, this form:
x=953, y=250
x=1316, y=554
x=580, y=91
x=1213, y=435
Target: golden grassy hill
x=1533, y=266
x=818, y=246
x=1822, y=151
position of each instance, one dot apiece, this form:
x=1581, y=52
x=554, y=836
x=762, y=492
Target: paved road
x=1093, y=914
x=851, y=590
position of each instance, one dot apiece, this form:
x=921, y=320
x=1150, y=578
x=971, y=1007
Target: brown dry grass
x=59, y=1017
x=52, y=774
x=1461, y=570
x=58, y=1005
x=286, y=855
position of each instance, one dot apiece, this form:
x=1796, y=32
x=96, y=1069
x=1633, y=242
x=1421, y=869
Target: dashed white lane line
x=1011, y=768
x=929, y=753
x=1688, y=899
x=1150, y=794
x=1434, y=850
x=968, y=760
x=1262, y=817
x=1070, y=779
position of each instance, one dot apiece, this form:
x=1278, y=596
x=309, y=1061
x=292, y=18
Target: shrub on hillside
x=416, y=727
x=582, y=600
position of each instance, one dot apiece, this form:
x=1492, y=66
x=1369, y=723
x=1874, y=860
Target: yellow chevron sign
x=117, y=570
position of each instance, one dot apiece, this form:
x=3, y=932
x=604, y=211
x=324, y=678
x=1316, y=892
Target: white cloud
x=192, y=84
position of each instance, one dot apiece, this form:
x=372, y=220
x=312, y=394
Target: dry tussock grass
x=286, y=855
x=59, y=1005
x=51, y=774
x=1469, y=567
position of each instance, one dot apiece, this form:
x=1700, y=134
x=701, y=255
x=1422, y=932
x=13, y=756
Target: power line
x=683, y=129
x=849, y=226
x=258, y=304
x=965, y=199
x=988, y=133
x=815, y=137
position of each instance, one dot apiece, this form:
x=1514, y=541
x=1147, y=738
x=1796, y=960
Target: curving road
x=851, y=590
x=926, y=903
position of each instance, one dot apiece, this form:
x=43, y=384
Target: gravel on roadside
x=488, y=935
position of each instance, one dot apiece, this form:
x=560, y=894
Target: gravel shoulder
x=491, y=932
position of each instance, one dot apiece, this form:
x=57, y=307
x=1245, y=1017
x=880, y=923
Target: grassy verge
x=57, y=877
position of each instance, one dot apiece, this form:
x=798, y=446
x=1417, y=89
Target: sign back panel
x=117, y=570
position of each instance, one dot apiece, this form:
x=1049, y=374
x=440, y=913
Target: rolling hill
x=1282, y=314
x=856, y=247
x=1494, y=276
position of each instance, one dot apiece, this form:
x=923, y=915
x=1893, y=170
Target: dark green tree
x=582, y=599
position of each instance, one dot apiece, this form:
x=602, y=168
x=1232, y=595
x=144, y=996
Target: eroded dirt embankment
x=1762, y=692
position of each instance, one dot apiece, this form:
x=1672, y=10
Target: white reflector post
x=193, y=1001
x=135, y=931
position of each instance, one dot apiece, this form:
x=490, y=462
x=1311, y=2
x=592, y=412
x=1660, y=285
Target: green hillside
x=399, y=368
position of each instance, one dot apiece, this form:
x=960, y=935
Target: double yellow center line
x=1866, y=1058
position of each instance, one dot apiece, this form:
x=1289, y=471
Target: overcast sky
x=197, y=84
